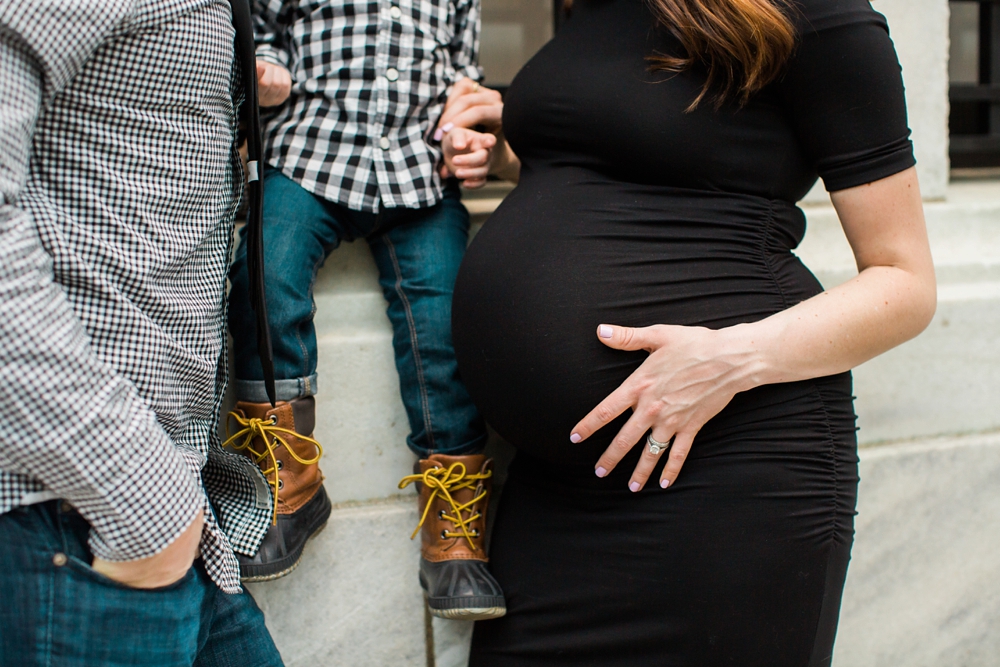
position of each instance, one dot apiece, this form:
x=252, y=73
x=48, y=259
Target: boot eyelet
x=274, y=419
x=475, y=532
x=280, y=464
x=281, y=484
x=440, y=514
x=444, y=534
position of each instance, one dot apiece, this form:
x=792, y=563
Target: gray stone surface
x=354, y=600
x=923, y=588
x=947, y=380
x=964, y=233
x=919, y=29
x=451, y=642
x=360, y=418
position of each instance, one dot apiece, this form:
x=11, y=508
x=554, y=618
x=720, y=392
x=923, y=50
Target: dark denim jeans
x=58, y=612
x=417, y=251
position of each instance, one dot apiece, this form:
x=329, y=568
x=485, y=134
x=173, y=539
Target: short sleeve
x=844, y=93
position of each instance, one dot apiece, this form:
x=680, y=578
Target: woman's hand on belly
x=691, y=374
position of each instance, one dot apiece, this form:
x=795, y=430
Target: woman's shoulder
x=818, y=15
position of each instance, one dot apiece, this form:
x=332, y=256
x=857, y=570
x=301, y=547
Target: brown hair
x=742, y=44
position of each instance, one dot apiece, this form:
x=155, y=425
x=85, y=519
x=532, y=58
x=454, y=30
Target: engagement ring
x=655, y=446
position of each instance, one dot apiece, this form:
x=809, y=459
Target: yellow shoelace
x=445, y=481
x=268, y=432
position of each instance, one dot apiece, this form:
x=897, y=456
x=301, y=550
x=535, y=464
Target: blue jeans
x=417, y=251
x=58, y=612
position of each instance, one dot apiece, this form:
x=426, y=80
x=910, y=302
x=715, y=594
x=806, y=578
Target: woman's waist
x=583, y=280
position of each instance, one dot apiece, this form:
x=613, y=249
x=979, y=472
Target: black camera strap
x=246, y=52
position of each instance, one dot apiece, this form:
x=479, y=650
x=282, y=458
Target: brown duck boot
x=454, y=496
x=275, y=439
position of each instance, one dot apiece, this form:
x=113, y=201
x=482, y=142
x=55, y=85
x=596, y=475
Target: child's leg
x=418, y=261
x=300, y=230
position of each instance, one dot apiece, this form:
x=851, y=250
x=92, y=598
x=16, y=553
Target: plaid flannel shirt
x=369, y=82
x=120, y=182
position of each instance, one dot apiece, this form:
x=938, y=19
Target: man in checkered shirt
x=119, y=183
x=356, y=87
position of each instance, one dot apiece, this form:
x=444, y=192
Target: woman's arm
x=692, y=373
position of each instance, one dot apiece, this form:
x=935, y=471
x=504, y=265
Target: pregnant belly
x=568, y=252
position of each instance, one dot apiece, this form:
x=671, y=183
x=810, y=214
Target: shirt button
x=65, y=507
x=384, y=143
x=59, y=559
x=395, y=12
x=392, y=74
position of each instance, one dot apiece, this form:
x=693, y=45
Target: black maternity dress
x=630, y=211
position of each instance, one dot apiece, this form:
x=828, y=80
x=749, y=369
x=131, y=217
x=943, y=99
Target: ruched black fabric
x=630, y=211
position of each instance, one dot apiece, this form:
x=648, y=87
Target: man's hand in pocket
x=162, y=569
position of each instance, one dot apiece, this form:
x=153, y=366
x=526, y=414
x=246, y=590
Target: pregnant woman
x=638, y=288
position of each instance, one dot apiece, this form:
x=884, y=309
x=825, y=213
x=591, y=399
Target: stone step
x=947, y=380
x=964, y=233
x=354, y=599
x=923, y=587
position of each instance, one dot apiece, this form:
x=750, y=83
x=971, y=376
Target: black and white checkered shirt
x=369, y=81
x=120, y=182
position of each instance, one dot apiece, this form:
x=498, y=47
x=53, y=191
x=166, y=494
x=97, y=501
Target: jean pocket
x=85, y=570
x=100, y=621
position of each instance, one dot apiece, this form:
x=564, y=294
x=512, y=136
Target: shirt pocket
x=433, y=21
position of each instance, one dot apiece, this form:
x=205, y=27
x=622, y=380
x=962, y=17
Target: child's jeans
x=417, y=251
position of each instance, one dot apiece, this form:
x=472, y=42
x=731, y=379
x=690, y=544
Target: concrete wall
x=919, y=28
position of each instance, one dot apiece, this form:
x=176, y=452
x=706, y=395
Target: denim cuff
x=252, y=391
x=475, y=446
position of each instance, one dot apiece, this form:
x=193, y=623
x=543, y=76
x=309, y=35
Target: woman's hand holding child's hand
x=470, y=155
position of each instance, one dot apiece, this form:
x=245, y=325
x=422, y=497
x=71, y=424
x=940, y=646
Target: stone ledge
x=923, y=587
x=354, y=599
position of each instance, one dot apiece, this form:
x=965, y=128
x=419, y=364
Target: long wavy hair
x=741, y=44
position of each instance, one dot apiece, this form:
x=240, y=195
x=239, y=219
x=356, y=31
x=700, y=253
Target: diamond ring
x=655, y=446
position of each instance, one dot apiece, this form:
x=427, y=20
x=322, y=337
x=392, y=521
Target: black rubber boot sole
x=461, y=590
x=292, y=531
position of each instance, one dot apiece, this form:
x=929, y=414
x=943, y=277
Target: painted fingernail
x=664, y=483
x=605, y=331
x=634, y=486
x=438, y=134
x=575, y=438
x=600, y=472
x=447, y=127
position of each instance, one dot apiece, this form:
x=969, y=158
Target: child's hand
x=467, y=156
x=274, y=84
